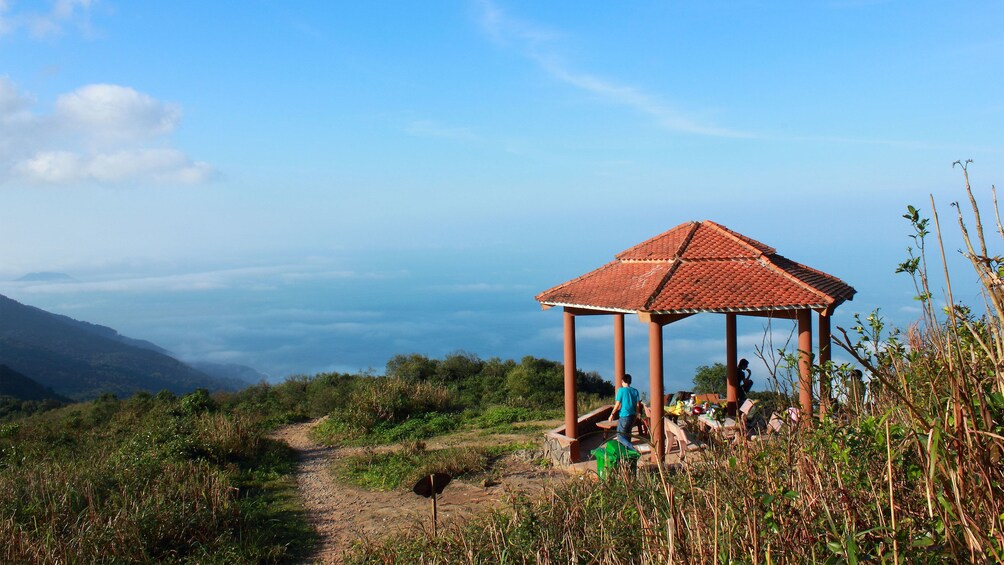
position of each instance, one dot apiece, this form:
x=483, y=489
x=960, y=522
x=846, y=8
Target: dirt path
x=345, y=515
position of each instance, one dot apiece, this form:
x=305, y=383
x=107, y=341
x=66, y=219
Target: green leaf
x=933, y=455
x=926, y=541
x=852, y=550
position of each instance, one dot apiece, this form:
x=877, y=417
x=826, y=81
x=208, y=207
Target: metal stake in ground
x=429, y=487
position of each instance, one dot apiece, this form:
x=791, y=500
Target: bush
x=391, y=400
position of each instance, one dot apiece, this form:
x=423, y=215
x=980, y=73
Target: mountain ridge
x=82, y=360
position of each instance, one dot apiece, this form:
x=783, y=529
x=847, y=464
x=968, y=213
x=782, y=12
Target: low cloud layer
x=98, y=133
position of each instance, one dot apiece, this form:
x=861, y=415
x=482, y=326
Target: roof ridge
x=690, y=234
x=784, y=272
x=741, y=239
x=686, y=243
x=662, y=284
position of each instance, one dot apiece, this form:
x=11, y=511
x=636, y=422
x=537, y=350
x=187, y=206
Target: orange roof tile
x=700, y=267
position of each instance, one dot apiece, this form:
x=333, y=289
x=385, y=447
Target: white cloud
x=534, y=42
x=98, y=133
x=67, y=8
x=159, y=165
x=108, y=112
x=62, y=13
x=14, y=105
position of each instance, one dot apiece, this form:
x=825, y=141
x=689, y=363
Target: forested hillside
x=82, y=360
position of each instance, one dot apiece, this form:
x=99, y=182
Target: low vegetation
x=421, y=398
x=146, y=479
x=195, y=479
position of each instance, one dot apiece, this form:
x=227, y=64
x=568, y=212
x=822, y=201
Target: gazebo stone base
x=563, y=450
x=558, y=449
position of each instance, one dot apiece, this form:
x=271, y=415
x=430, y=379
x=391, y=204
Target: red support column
x=655, y=363
x=825, y=378
x=805, y=365
x=571, y=409
x=731, y=360
x=618, y=351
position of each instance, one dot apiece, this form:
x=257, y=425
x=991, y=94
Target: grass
x=141, y=481
x=399, y=468
x=338, y=431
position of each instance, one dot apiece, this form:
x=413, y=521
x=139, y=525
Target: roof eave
x=726, y=310
x=612, y=310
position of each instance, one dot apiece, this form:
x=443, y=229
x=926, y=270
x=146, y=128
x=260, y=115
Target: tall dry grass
x=141, y=481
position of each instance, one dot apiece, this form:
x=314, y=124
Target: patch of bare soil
x=344, y=515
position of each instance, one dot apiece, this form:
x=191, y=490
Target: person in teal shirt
x=626, y=409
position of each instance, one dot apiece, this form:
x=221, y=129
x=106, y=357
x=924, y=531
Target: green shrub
x=391, y=400
x=495, y=416
x=197, y=402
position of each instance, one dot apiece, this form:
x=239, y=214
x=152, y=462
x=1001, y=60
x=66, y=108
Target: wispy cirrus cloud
x=102, y=133
x=537, y=44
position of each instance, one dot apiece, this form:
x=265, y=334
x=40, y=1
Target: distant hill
x=82, y=360
x=46, y=277
x=233, y=371
x=108, y=333
x=21, y=387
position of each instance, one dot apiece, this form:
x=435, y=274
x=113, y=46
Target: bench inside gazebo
x=696, y=267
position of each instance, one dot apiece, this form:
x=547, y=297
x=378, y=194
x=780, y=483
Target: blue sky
x=315, y=186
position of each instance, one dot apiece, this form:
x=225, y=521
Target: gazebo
x=696, y=267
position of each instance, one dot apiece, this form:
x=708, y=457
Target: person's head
x=743, y=364
x=627, y=379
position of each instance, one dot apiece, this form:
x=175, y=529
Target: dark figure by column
x=745, y=381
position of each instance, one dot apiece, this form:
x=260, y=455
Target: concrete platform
x=588, y=465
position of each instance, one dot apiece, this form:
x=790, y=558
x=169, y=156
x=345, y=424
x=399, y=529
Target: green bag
x=612, y=453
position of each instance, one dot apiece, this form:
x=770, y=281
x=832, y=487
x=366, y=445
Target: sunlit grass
x=393, y=469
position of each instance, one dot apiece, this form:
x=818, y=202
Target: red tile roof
x=700, y=267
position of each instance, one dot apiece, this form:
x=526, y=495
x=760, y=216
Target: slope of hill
x=21, y=387
x=82, y=360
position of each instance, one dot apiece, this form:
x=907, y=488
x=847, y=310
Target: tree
x=414, y=367
x=710, y=379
